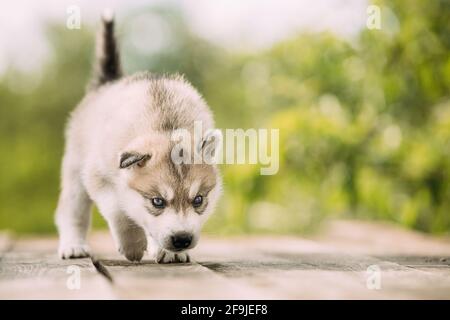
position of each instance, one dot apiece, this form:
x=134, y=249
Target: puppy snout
x=181, y=240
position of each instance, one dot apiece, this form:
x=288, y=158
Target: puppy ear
x=128, y=159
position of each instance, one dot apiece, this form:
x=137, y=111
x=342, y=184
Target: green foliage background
x=364, y=123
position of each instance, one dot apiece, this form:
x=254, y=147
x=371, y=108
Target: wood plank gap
x=101, y=268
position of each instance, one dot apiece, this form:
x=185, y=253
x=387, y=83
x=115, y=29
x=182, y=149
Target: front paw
x=164, y=256
x=73, y=251
x=133, y=253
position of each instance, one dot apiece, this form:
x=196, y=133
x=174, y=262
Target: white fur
x=118, y=117
x=108, y=15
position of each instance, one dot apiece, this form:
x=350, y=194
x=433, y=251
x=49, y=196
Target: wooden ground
x=341, y=263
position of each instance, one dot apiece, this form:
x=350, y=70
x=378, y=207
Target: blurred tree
x=32, y=125
x=364, y=124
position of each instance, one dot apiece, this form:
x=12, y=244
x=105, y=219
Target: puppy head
x=169, y=201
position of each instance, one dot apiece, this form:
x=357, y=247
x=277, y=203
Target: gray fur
x=107, y=64
x=118, y=146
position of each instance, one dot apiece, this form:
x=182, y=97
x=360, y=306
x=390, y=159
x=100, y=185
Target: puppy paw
x=165, y=256
x=133, y=254
x=73, y=251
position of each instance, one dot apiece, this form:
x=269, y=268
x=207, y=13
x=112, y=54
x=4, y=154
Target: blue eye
x=158, y=203
x=198, y=200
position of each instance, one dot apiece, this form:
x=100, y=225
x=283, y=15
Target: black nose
x=181, y=240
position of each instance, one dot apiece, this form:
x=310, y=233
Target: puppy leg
x=130, y=238
x=72, y=215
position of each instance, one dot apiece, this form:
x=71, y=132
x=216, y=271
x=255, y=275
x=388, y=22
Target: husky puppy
x=118, y=155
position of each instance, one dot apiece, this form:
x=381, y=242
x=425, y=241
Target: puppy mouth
x=178, y=250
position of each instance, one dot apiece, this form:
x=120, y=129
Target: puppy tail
x=107, y=62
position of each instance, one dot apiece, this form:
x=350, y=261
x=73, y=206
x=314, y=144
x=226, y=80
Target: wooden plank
x=332, y=266
x=199, y=279
x=44, y=276
x=380, y=238
x=257, y=271
x=149, y=280
x=294, y=268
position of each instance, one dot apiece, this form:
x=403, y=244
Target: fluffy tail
x=107, y=62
